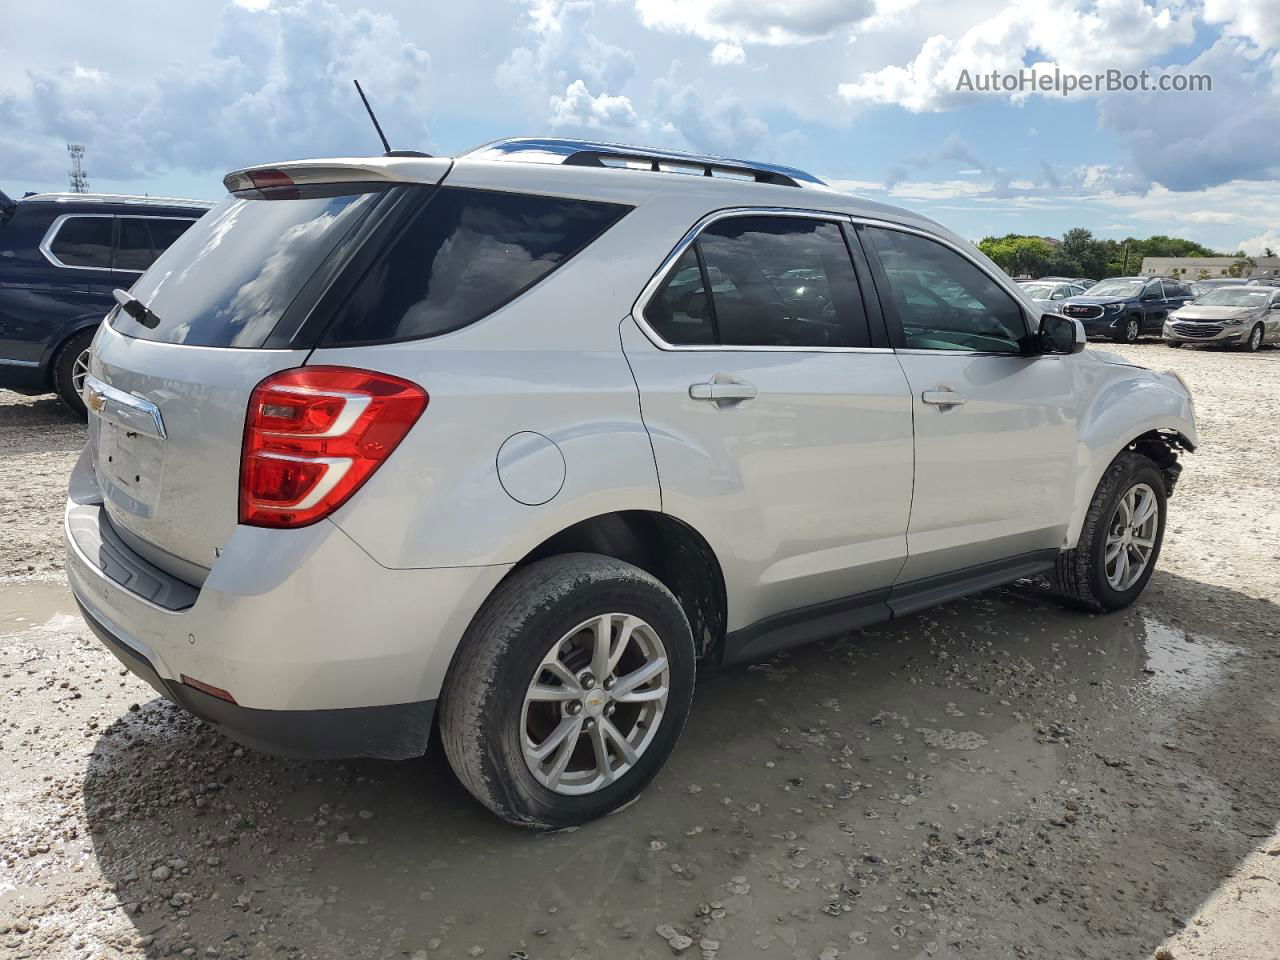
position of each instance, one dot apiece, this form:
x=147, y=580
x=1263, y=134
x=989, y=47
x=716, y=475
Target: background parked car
x=1049, y=295
x=1082, y=281
x=1201, y=287
x=1124, y=308
x=1247, y=316
x=61, y=255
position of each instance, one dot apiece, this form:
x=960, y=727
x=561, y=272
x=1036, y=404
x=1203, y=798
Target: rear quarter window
x=463, y=255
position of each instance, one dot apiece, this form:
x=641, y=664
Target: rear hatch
x=241, y=295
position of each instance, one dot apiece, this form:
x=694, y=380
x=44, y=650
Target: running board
x=819, y=621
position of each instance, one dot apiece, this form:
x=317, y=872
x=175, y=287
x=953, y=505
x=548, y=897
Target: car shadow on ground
x=996, y=777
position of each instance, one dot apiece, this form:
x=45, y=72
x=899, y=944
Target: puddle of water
x=1178, y=661
x=38, y=604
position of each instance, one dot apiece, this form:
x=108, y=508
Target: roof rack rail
x=587, y=153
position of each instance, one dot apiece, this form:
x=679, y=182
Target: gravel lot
x=997, y=778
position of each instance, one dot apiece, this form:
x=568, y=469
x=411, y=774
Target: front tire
x=1121, y=537
x=70, y=367
x=528, y=726
x=1254, y=343
x=1173, y=343
x=1130, y=331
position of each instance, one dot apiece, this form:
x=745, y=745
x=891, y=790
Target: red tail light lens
x=314, y=435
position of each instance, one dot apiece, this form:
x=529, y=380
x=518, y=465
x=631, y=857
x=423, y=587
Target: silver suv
x=518, y=442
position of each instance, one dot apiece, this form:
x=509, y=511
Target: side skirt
x=793, y=628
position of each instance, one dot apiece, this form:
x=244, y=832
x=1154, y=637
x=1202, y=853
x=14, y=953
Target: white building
x=1197, y=268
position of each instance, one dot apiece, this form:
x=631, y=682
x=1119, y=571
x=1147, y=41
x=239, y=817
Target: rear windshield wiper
x=135, y=308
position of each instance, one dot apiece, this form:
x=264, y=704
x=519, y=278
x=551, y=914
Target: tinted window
x=228, y=279
x=84, y=242
x=466, y=253
x=133, y=251
x=782, y=282
x=164, y=231
x=943, y=301
x=680, y=312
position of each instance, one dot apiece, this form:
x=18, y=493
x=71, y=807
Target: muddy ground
x=996, y=778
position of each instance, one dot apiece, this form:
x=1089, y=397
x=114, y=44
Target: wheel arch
x=82, y=324
x=1161, y=444
x=669, y=549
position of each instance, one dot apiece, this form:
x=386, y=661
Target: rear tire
x=1085, y=575
x=69, y=368
x=506, y=696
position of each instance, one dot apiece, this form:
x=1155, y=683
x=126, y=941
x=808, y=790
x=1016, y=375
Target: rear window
x=466, y=253
x=228, y=280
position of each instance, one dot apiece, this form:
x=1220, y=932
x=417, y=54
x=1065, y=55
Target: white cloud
x=276, y=85
x=578, y=108
x=1120, y=34
x=565, y=52
x=724, y=125
x=1267, y=240
x=1255, y=20
x=754, y=21
x=1230, y=138
x=79, y=72
x=723, y=54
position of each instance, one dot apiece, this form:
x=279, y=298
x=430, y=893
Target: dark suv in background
x=1124, y=308
x=61, y=255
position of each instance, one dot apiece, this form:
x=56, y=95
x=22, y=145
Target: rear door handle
x=942, y=398
x=717, y=390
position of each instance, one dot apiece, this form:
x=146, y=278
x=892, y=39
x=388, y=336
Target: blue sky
x=168, y=96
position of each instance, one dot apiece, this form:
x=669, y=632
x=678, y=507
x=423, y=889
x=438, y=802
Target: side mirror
x=1151, y=296
x=1060, y=335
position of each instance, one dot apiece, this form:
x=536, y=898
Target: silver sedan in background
x=1049, y=295
x=1245, y=316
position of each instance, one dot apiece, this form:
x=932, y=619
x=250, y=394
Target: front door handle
x=717, y=390
x=942, y=398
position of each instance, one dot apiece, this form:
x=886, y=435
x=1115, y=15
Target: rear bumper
x=325, y=651
x=393, y=732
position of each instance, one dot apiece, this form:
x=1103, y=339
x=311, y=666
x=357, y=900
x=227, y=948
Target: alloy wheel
x=595, y=704
x=1255, y=338
x=1131, y=537
x=1131, y=331
x=79, y=371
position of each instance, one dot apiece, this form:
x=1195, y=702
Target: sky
x=167, y=97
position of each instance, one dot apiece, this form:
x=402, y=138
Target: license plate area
x=130, y=468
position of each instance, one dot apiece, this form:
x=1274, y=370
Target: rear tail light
x=314, y=435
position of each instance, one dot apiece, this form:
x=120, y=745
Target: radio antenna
x=377, y=126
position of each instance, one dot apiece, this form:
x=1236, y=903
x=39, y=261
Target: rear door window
x=133, y=249
x=762, y=281
x=141, y=239
x=165, y=230
x=228, y=279
x=788, y=282
x=680, y=312
x=465, y=254
x=83, y=242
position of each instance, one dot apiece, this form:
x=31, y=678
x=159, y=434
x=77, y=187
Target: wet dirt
x=999, y=777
